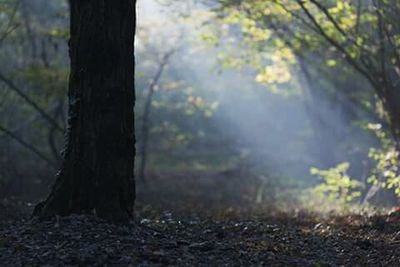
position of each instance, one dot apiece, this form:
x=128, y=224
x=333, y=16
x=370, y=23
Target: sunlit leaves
x=345, y=14
x=331, y=62
x=59, y=32
x=248, y=25
x=209, y=37
x=386, y=172
x=274, y=74
x=278, y=71
x=255, y=41
x=337, y=184
x=197, y=103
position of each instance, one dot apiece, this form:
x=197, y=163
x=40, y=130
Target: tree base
x=66, y=199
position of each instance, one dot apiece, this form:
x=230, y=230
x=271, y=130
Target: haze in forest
x=270, y=130
x=199, y=133
x=256, y=109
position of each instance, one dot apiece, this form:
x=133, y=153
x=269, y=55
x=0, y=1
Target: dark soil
x=179, y=231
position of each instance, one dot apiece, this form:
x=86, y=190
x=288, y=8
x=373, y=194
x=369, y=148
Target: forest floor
x=199, y=227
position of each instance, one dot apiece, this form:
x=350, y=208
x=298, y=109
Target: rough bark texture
x=97, y=172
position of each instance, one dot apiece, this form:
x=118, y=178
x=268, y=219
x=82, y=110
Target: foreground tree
x=97, y=171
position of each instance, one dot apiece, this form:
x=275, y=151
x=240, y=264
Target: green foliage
x=341, y=34
x=386, y=171
x=62, y=33
x=337, y=185
x=34, y=58
x=336, y=39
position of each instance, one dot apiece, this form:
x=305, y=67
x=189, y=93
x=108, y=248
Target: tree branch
x=10, y=29
x=28, y=146
x=329, y=16
x=335, y=44
x=13, y=87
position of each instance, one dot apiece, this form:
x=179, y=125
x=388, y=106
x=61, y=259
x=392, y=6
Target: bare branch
x=33, y=118
x=13, y=87
x=9, y=29
x=28, y=146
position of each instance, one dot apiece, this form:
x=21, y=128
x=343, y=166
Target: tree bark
x=97, y=171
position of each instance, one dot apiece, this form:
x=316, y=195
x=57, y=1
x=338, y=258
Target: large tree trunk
x=97, y=172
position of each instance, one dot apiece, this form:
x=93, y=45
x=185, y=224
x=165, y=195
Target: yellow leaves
x=248, y=26
x=209, y=37
x=59, y=32
x=341, y=6
x=348, y=22
x=397, y=40
x=354, y=52
x=369, y=18
x=331, y=62
x=279, y=70
x=337, y=184
x=195, y=100
x=234, y=17
x=284, y=54
x=274, y=74
x=385, y=174
x=258, y=34
x=374, y=126
x=279, y=43
x=281, y=9
x=359, y=41
x=343, y=14
x=197, y=103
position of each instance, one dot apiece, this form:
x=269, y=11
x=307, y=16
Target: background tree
x=33, y=91
x=146, y=122
x=347, y=37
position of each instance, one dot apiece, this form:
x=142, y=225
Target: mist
x=273, y=132
x=206, y=124
x=199, y=133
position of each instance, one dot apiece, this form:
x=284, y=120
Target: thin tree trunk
x=146, y=115
x=28, y=100
x=97, y=172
